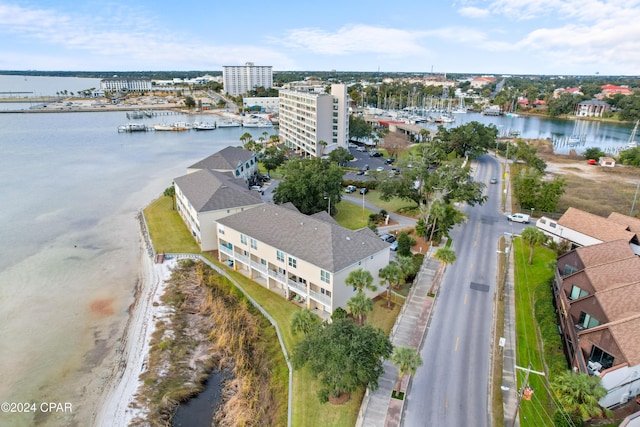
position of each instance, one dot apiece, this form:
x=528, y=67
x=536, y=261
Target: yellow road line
x=457, y=342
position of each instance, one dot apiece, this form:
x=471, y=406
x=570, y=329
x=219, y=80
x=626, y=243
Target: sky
x=544, y=37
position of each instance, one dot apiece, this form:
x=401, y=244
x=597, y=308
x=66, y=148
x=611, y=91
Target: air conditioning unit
x=594, y=368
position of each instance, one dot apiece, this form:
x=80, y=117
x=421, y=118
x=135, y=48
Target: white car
x=519, y=217
x=379, y=168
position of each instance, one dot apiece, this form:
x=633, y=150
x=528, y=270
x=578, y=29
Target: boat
x=632, y=139
x=175, y=127
x=257, y=124
x=461, y=108
x=228, y=124
x=133, y=127
x=137, y=114
x=445, y=118
x=204, y=126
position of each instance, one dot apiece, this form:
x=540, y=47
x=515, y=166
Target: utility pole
x=522, y=391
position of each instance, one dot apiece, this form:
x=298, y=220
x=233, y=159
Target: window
x=325, y=292
x=576, y=293
x=587, y=321
x=243, y=239
x=601, y=356
x=569, y=269
x=280, y=256
x=325, y=276
x=292, y=262
x=221, y=229
x=263, y=261
x=254, y=244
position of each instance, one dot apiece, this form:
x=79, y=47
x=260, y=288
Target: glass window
x=576, y=293
x=569, y=269
x=280, y=256
x=243, y=239
x=292, y=262
x=254, y=244
x=601, y=356
x=587, y=321
x=325, y=276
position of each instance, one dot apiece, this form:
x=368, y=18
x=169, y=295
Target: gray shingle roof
x=224, y=160
x=209, y=190
x=317, y=241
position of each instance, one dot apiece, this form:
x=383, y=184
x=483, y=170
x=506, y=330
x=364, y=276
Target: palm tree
x=171, y=192
x=359, y=305
x=406, y=359
x=303, y=321
x=407, y=266
x=392, y=274
x=446, y=255
x=321, y=146
x=360, y=279
x=579, y=394
x=533, y=237
x=438, y=211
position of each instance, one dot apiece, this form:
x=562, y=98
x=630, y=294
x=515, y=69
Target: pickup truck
x=518, y=217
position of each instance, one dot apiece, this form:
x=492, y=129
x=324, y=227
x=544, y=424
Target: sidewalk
x=378, y=409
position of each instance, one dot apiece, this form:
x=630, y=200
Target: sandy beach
x=119, y=393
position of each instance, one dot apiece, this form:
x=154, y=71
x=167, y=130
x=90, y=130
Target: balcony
x=241, y=258
x=321, y=298
x=225, y=250
x=258, y=266
x=297, y=287
x=279, y=277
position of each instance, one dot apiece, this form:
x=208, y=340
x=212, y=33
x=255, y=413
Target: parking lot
x=361, y=159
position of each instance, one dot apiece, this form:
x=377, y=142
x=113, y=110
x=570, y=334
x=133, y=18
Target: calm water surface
x=71, y=187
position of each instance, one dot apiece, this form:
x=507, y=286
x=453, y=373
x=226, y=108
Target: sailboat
x=632, y=139
x=461, y=108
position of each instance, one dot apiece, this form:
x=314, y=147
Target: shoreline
x=116, y=407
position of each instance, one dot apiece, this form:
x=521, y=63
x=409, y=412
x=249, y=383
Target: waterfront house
x=204, y=196
x=591, y=108
x=303, y=258
x=239, y=162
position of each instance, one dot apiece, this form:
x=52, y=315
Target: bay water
x=71, y=187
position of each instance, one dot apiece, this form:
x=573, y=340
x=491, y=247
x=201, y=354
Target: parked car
x=389, y=161
x=364, y=190
x=394, y=246
x=592, y=162
x=493, y=181
x=360, y=172
x=362, y=149
x=365, y=168
x=389, y=238
x=375, y=154
x=350, y=189
x=352, y=145
x=518, y=217
x=379, y=168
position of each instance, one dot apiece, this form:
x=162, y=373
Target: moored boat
x=228, y=124
x=133, y=127
x=175, y=127
x=204, y=126
x=257, y=124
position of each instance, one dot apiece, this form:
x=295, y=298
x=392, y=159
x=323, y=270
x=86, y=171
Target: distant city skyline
x=545, y=37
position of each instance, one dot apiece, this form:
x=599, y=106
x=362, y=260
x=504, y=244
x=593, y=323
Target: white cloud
x=356, y=39
x=473, y=12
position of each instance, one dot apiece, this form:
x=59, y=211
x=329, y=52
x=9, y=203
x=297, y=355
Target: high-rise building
x=243, y=78
x=307, y=119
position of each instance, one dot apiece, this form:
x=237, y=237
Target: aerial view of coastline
x=346, y=215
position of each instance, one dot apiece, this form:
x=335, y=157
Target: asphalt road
x=450, y=389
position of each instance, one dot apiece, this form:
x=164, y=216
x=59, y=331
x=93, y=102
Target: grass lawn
x=393, y=205
x=529, y=278
x=350, y=215
x=167, y=230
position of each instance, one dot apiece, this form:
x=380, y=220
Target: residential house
x=482, y=81
x=204, y=196
x=597, y=293
x=610, y=90
x=301, y=257
x=239, y=162
x=575, y=91
x=608, y=162
x=591, y=108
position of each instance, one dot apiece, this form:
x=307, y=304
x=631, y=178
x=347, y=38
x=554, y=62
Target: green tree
x=392, y=274
x=273, y=158
x=340, y=156
x=533, y=192
x=579, y=394
x=407, y=360
x=446, y=255
x=359, y=128
x=405, y=242
x=593, y=153
x=562, y=105
x=307, y=182
x=360, y=279
x=630, y=157
x=532, y=237
x=189, y=102
x=343, y=356
x=407, y=266
x=472, y=139
x=171, y=192
x=303, y=321
x=359, y=305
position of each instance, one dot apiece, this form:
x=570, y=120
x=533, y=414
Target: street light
x=329, y=208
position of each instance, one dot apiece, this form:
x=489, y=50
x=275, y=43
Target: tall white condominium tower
x=243, y=78
x=307, y=118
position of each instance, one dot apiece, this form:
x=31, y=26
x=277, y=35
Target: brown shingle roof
x=317, y=241
x=620, y=302
x=626, y=333
x=615, y=273
x=595, y=226
x=633, y=224
x=603, y=253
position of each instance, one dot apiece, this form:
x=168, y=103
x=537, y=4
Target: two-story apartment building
x=299, y=256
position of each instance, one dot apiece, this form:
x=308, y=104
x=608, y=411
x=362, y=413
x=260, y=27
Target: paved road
x=451, y=388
